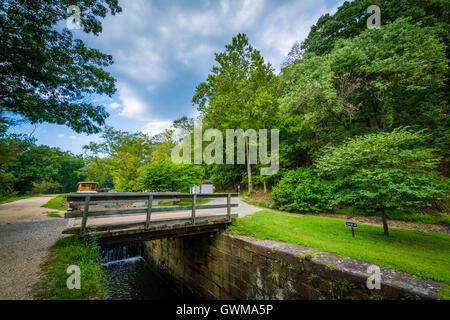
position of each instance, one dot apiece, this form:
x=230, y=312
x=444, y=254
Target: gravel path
x=26, y=233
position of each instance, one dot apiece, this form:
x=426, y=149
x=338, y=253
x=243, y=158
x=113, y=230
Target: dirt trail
x=26, y=233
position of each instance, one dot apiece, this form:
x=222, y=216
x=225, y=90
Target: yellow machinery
x=86, y=186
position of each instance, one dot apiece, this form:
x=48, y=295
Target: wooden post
x=85, y=215
x=194, y=204
x=149, y=212
x=229, y=207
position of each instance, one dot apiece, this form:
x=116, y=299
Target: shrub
x=385, y=170
x=303, y=190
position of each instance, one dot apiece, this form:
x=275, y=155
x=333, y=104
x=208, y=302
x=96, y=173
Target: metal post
x=229, y=207
x=85, y=215
x=194, y=204
x=149, y=212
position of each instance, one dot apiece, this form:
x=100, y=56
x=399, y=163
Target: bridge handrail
x=111, y=196
x=86, y=198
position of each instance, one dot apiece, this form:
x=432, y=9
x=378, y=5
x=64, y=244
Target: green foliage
x=380, y=79
x=351, y=19
x=29, y=168
x=66, y=252
x=303, y=190
x=240, y=93
x=56, y=203
x=164, y=175
x=45, y=74
x=126, y=154
x=227, y=175
x=12, y=199
x=404, y=250
x=384, y=170
x=53, y=214
x=444, y=293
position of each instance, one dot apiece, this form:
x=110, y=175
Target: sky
x=163, y=49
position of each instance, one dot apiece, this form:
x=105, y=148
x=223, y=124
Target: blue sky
x=163, y=49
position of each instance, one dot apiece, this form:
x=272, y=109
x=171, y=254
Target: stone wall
x=223, y=266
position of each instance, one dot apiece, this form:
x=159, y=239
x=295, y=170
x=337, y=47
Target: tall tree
x=240, y=92
x=351, y=19
x=124, y=153
x=45, y=74
x=384, y=170
x=378, y=80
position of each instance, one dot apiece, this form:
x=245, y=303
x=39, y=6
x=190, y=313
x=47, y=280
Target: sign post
x=352, y=225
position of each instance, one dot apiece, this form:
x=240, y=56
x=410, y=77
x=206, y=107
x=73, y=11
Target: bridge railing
x=79, y=204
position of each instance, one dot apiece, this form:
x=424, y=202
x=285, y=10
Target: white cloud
x=158, y=44
x=61, y=135
x=133, y=107
x=72, y=137
x=154, y=127
x=114, y=105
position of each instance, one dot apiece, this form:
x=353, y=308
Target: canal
x=131, y=277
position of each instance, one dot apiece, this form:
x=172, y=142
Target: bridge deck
x=125, y=224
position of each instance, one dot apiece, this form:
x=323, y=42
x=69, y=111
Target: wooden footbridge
x=121, y=217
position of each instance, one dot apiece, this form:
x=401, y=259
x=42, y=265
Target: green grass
x=56, y=203
x=183, y=203
x=53, y=214
x=443, y=219
x=188, y=202
x=66, y=252
x=444, y=293
x=425, y=254
x=19, y=198
x=260, y=204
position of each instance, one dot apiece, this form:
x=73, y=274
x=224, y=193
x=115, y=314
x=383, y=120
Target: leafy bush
x=303, y=190
x=164, y=175
x=384, y=170
x=46, y=187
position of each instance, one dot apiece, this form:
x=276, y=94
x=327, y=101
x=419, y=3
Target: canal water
x=130, y=276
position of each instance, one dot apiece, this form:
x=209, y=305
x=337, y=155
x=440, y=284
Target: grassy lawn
x=183, y=203
x=425, y=254
x=392, y=214
x=19, y=198
x=188, y=202
x=66, y=252
x=53, y=214
x=56, y=203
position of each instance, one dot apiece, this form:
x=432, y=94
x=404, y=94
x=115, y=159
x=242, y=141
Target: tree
x=377, y=80
x=384, y=170
x=68, y=173
x=45, y=74
x=163, y=145
x=351, y=19
x=164, y=175
x=227, y=175
x=96, y=169
x=125, y=153
x=240, y=92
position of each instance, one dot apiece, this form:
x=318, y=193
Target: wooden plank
x=156, y=225
x=194, y=203
x=149, y=212
x=229, y=207
x=77, y=214
x=110, y=196
x=85, y=215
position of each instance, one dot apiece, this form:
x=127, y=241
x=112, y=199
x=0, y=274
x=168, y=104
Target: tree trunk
x=385, y=225
x=249, y=169
x=265, y=188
